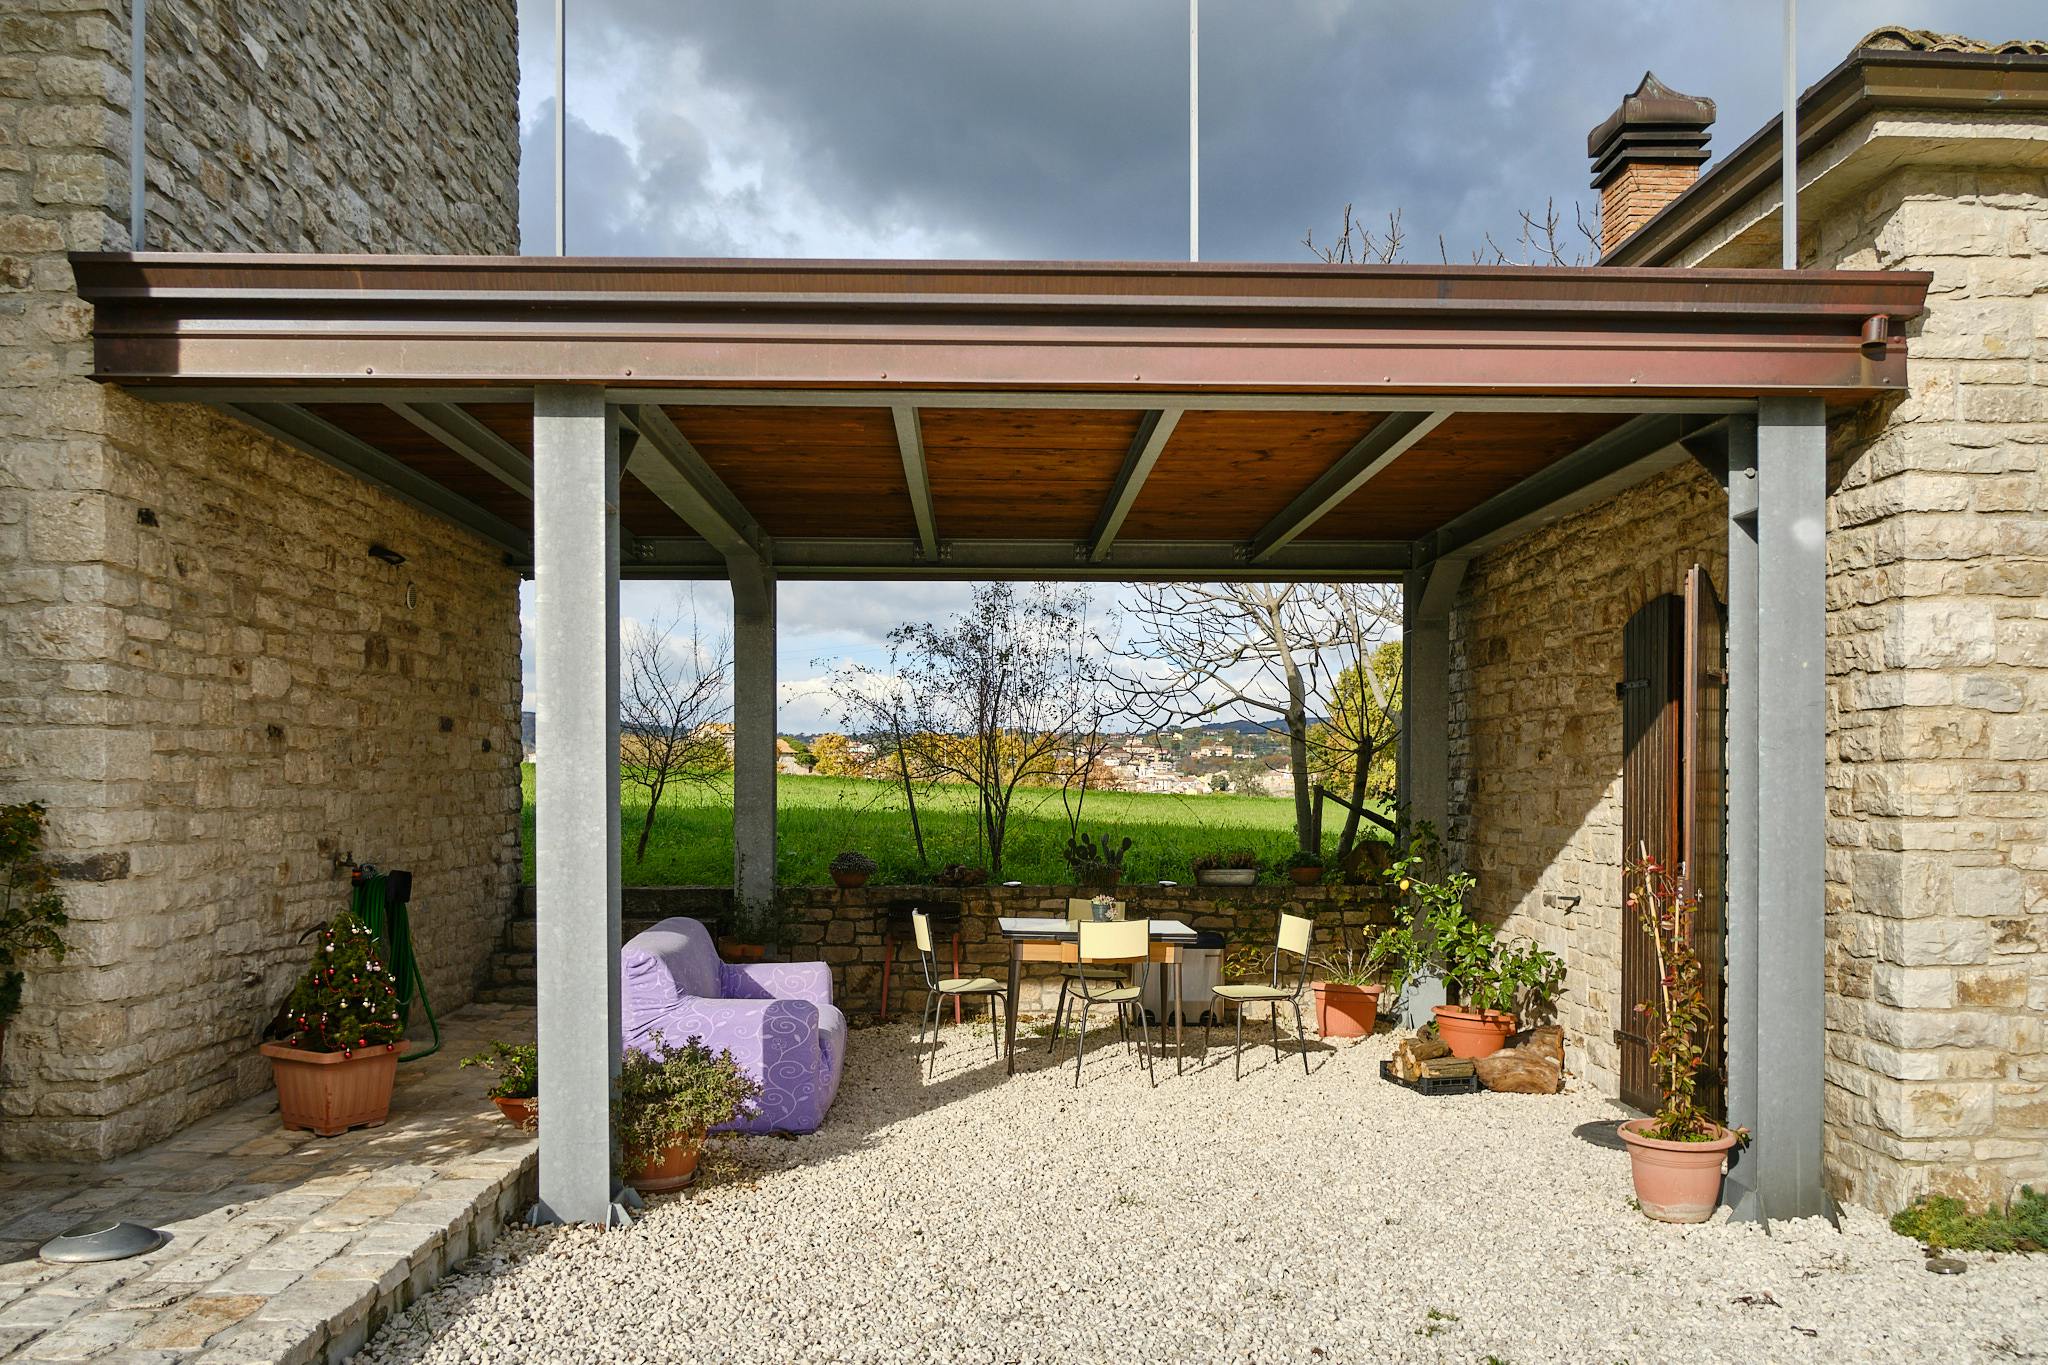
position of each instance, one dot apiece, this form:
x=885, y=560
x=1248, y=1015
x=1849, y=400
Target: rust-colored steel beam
x=1138, y=329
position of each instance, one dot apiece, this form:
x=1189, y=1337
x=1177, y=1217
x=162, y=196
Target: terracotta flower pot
x=520, y=1112
x=1473, y=1033
x=1344, y=1011
x=676, y=1167
x=1676, y=1182
x=732, y=950
x=849, y=881
x=1305, y=876
x=332, y=1092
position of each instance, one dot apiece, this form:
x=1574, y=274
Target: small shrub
x=669, y=1095
x=1947, y=1224
x=851, y=864
x=1234, y=859
x=960, y=874
x=31, y=908
x=1303, y=857
x=516, y=1066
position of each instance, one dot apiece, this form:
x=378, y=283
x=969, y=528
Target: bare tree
x=1200, y=650
x=675, y=693
x=1542, y=239
x=1362, y=715
x=874, y=707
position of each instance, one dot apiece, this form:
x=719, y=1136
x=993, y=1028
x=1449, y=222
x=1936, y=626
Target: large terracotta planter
x=332, y=1092
x=1305, y=876
x=520, y=1112
x=1676, y=1182
x=1344, y=1011
x=676, y=1168
x=850, y=881
x=1473, y=1033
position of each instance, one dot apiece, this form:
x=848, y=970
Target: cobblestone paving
x=284, y=1246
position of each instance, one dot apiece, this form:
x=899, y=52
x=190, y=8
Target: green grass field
x=692, y=840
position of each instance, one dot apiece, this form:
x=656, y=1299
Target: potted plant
x=851, y=870
x=516, y=1091
x=670, y=1097
x=1305, y=866
x=31, y=908
x=1493, y=976
x=1349, y=982
x=1675, y=1156
x=1232, y=867
x=960, y=874
x=334, y=1050
x=1096, y=866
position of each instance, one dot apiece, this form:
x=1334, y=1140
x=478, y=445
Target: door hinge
x=1628, y=685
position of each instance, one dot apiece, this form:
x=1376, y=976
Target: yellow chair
x=937, y=989
x=1295, y=932
x=1119, y=944
x=1078, y=910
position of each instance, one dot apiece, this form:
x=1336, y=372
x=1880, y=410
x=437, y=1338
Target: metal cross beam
x=473, y=441
x=673, y=471
x=1390, y=439
x=316, y=436
x=910, y=444
x=852, y=558
x=1155, y=429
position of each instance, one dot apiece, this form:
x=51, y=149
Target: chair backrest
x=659, y=966
x=1128, y=940
x=921, y=924
x=1081, y=908
x=1295, y=932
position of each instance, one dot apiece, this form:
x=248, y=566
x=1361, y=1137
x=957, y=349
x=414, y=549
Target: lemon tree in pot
x=670, y=1097
x=1676, y=1155
x=516, y=1091
x=1493, y=976
x=334, y=1046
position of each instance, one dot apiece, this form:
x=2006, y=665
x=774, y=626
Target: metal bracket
x=1567, y=901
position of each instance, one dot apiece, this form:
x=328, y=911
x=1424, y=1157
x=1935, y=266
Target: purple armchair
x=777, y=1018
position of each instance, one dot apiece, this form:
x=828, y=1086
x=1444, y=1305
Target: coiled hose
x=386, y=916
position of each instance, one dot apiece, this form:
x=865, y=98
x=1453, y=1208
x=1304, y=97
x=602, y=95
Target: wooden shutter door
x=1703, y=704
x=1652, y=807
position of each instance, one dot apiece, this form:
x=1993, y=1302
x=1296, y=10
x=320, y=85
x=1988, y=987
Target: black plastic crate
x=1432, y=1085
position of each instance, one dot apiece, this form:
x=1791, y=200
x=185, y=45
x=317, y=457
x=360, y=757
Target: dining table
x=1047, y=938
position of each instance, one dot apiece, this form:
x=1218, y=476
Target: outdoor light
x=103, y=1239
x=387, y=554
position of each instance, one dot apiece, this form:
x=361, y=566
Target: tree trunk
x=910, y=799
x=1297, y=754
x=1361, y=766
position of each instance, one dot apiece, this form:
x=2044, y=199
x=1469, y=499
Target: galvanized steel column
x=576, y=591
x=1423, y=760
x=753, y=732
x=1740, y=877
x=1791, y=796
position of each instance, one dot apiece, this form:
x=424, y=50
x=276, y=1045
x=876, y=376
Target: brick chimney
x=1645, y=155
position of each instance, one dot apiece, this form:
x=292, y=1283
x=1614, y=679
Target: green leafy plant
x=1491, y=973
x=1247, y=961
x=672, y=1094
x=347, y=1000
x=1678, y=1018
x=31, y=908
x=1096, y=864
x=1304, y=857
x=516, y=1066
x=1235, y=859
x=1944, y=1223
x=851, y=864
x=1373, y=957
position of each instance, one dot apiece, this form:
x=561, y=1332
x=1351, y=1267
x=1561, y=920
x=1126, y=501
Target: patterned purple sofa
x=777, y=1018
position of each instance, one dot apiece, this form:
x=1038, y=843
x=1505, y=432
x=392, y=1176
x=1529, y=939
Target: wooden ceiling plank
x=670, y=468
x=1385, y=443
x=473, y=441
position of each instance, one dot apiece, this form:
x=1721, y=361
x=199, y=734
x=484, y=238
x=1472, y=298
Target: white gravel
x=1330, y=1218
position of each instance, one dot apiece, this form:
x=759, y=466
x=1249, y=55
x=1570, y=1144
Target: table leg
x=956, y=972
x=888, y=970
x=1010, y=1014
x=1180, y=1014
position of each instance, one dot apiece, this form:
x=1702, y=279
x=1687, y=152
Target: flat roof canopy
x=1113, y=421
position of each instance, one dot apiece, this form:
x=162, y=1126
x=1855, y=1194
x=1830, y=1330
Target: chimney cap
x=1656, y=123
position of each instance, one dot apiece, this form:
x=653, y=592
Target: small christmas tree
x=347, y=1001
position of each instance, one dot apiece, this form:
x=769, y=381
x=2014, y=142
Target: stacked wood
x=1532, y=1063
x=1412, y=1052
x=1548, y=1040
x=1444, y=1068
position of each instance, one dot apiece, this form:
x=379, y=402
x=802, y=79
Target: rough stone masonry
x=215, y=688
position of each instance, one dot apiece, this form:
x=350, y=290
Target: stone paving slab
x=284, y=1247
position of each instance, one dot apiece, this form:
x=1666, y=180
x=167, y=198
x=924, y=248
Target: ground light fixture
x=103, y=1239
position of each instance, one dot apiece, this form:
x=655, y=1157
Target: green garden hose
x=389, y=920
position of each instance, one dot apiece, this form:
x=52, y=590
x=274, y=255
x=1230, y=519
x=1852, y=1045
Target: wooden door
x=1672, y=704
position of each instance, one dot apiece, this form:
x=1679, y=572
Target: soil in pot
x=676, y=1168
x=520, y=1112
x=329, y=1093
x=1345, y=1011
x=1676, y=1182
x=1472, y=1033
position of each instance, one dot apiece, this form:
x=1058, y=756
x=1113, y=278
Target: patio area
x=283, y=1246
x=1330, y=1217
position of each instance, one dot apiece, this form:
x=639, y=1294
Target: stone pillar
x=1777, y=731
x=753, y=733
x=576, y=658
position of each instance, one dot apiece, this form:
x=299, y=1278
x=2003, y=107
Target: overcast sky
x=1058, y=129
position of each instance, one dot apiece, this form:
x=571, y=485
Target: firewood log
x=1547, y=1039
x=1439, y=1068
x=1520, y=1071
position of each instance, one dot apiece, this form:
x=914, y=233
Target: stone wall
x=1937, y=865
x=1536, y=731
x=846, y=928
x=202, y=672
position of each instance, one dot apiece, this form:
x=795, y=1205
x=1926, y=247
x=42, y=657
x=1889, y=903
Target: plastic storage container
x=1201, y=970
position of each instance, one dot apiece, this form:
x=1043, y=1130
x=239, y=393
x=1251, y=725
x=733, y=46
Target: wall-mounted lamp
x=387, y=554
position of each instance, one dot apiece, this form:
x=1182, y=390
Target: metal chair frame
x=936, y=994
x=1087, y=992
x=1302, y=930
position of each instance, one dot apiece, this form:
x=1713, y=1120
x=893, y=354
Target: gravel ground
x=1330, y=1218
